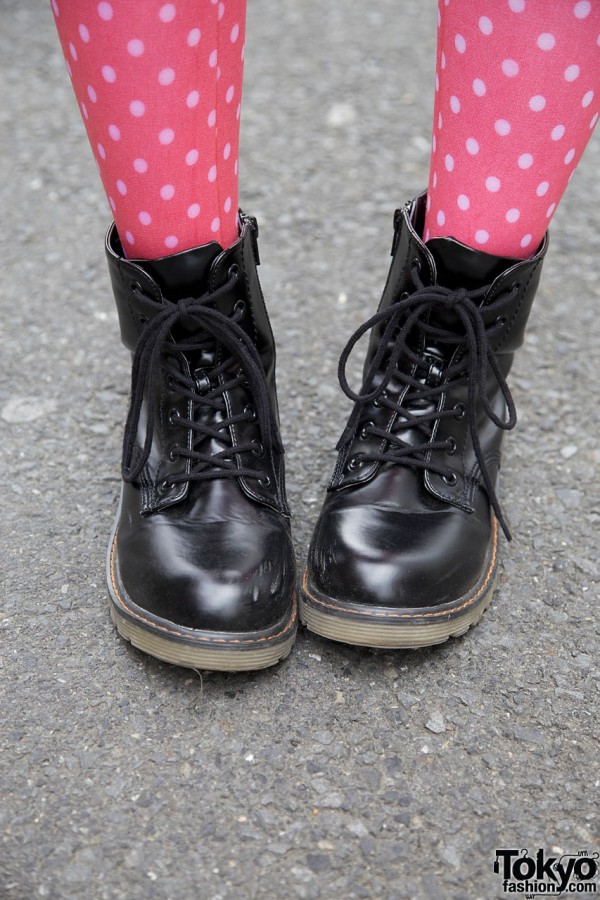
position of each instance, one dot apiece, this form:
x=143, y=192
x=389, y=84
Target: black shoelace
x=241, y=367
x=407, y=326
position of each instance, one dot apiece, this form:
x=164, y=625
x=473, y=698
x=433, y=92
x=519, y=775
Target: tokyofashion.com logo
x=538, y=873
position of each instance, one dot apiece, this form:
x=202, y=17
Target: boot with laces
x=405, y=551
x=200, y=565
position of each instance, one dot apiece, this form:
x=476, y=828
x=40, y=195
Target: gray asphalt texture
x=343, y=772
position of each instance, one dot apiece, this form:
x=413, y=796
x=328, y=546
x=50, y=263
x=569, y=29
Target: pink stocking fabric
x=517, y=98
x=159, y=88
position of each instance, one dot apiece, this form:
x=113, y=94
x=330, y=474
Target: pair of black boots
x=201, y=567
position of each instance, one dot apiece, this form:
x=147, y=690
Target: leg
x=200, y=566
x=405, y=551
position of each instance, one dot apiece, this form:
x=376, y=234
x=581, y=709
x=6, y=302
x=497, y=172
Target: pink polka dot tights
x=517, y=97
x=159, y=88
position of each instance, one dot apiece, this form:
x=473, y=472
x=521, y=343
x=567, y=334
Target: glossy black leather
x=212, y=555
x=404, y=537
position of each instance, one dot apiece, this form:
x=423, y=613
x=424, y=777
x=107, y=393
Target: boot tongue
x=459, y=266
x=183, y=274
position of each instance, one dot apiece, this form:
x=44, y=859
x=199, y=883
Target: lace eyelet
x=378, y=402
x=250, y=412
x=233, y=271
x=259, y=449
x=450, y=446
x=174, y=453
x=459, y=410
x=515, y=286
x=451, y=479
x=264, y=480
x=355, y=463
x=501, y=321
x=240, y=307
x=143, y=320
x=165, y=486
x=135, y=287
x=363, y=432
x=174, y=417
x=416, y=263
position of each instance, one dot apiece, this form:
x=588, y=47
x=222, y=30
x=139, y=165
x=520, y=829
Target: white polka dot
x=226, y=151
x=510, y=67
x=101, y=151
x=84, y=34
x=145, y=218
x=570, y=156
x=525, y=161
x=513, y=215
x=192, y=99
x=517, y=6
x=437, y=81
x=167, y=192
x=166, y=136
x=229, y=94
x=166, y=76
x=550, y=210
x=593, y=120
x=434, y=180
x=482, y=236
x=235, y=167
x=227, y=205
x=492, y=184
x=193, y=37
x=212, y=59
x=479, y=87
x=235, y=33
x=191, y=157
x=212, y=173
x=546, y=41
x=582, y=9
x=441, y=217
x=454, y=104
x=92, y=93
x=443, y=60
x=460, y=43
x=472, y=146
x=167, y=12
x=542, y=188
x=440, y=121
x=428, y=204
x=571, y=73
x=463, y=201
x=73, y=51
x=193, y=211
x=587, y=98
x=129, y=237
x=485, y=25
x=55, y=8
x=221, y=11
x=114, y=132
x=112, y=203
x=121, y=187
x=434, y=143
x=502, y=127
x=86, y=114
x=526, y=240
x=427, y=235
x=140, y=165
x=557, y=132
x=171, y=242
x=215, y=224
x=109, y=74
x=137, y=108
x=105, y=11
x=135, y=47
x=537, y=103
x=212, y=118
x=449, y=162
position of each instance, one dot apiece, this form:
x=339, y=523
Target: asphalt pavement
x=342, y=773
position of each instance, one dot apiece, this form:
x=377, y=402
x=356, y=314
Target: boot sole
x=398, y=629
x=193, y=648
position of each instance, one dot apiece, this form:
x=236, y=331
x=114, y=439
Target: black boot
x=200, y=565
x=405, y=551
